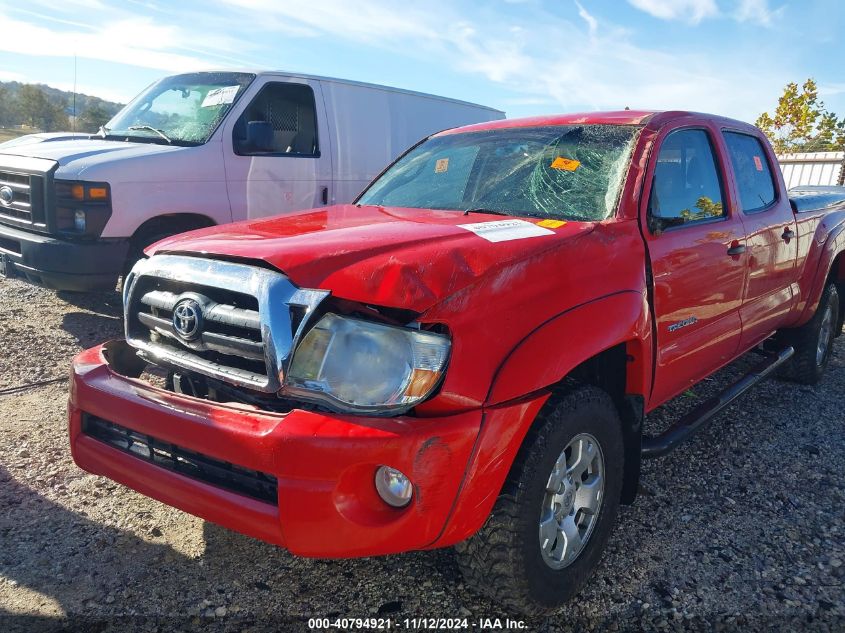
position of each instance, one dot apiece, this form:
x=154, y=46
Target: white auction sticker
x=506, y=230
x=219, y=96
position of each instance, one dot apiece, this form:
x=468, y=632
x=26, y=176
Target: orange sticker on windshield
x=758, y=163
x=441, y=165
x=565, y=164
x=551, y=224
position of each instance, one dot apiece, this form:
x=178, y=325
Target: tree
x=801, y=122
x=8, y=114
x=39, y=111
x=92, y=118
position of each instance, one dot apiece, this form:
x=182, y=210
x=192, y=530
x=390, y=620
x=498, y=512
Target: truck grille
x=237, y=479
x=229, y=340
x=21, y=192
x=224, y=320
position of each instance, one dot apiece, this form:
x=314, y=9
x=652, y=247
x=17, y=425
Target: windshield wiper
x=483, y=210
x=151, y=129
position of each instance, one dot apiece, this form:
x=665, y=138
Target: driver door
x=277, y=151
x=696, y=246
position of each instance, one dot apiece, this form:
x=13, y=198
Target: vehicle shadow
x=107, y=303
x=91, y=329
x=59, y=562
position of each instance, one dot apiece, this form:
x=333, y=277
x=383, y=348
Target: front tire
x=555, y=513
x=813, y=341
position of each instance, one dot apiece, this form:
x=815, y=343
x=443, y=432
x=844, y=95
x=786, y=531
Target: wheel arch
x=618, y=361
x=179, y=221
x=831, y=268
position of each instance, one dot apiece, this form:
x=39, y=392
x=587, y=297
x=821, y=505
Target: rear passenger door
x=277, y=151
x=770, y=236
x=696, y=248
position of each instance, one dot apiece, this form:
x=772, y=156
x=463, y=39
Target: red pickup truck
x=465, y=355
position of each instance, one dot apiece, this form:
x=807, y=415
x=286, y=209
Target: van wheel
x=553, y=518
x=140, y=241
x=813, y=341
x=154, y=231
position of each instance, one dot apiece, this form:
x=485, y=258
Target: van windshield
x=179, y=110
x=570, y=172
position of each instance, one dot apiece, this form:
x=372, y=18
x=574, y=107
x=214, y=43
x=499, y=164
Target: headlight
x=82, y=208
x=361, y=366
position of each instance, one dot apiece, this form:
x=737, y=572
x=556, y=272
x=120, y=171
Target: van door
x=276, y=150
x=771, y=238
x=696, y=246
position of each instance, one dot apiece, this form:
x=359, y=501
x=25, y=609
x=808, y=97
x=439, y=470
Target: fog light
x=393, y=487
x=79, y=221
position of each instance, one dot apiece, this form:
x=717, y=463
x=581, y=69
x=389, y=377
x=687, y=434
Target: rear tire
x=516, y=559
x=813, y=341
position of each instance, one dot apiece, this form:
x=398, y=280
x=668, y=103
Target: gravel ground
x=742, y=528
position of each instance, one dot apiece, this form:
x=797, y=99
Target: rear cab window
x=752, y=171
x=686, y=186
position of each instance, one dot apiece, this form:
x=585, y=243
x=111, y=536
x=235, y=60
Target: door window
x=281, y=120
x=686, y=186
x=752, y=172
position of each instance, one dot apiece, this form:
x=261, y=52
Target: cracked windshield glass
x=181, y=110
x=571, y=172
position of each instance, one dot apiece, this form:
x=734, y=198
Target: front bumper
x=61, y=264
x=324, y=463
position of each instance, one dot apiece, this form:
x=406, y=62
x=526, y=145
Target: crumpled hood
x=80, y=154
x=396, y=257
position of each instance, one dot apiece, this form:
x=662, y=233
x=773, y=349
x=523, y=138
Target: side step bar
x=689, y=424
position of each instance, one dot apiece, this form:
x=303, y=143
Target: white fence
x=813, y=168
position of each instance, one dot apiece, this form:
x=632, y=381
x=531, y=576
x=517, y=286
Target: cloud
x=757, y=11
x=692, y=11
x=532, y=56
x=10, y=76
x=592, y=23
x=535, y=56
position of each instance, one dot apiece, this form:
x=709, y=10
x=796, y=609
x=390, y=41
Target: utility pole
x=73, y=125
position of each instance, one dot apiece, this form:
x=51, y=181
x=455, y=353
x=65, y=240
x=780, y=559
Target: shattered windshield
x=572, y=172
x=179, y=110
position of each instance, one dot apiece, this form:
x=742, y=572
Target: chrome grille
x=20, y=205
x=248, y=318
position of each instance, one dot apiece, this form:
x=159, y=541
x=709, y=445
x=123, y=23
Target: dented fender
x=551, y=351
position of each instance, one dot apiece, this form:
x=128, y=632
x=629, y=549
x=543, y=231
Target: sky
x=730, y=57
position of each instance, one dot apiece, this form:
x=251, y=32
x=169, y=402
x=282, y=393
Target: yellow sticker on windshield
x=565, y=164
x=441, y=165
x=551, y=224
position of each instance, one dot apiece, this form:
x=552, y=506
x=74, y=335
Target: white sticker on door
x=506, y=230
x=219, y=96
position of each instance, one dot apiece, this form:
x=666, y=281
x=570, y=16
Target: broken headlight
x=359, y=366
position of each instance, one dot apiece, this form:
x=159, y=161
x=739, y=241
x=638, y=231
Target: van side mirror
x=259, y=137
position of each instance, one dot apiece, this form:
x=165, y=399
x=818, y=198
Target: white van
x=199, y=149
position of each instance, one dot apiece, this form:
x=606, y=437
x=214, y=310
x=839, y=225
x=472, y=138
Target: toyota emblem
x=6, y=195
x=187, y=319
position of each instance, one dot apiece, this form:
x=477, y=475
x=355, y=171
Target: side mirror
x=259, y=136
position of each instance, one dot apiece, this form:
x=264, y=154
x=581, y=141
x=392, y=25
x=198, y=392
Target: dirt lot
x=743, y=528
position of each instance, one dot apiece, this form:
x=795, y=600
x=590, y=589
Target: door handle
x=736, y=249
x=325, y=195
x=787, y=234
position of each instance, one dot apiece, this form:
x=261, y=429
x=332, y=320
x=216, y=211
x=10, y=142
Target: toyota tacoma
x=465, y=355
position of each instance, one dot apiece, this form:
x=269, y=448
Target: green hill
x=47, y=109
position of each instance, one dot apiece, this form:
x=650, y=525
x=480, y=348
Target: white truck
x=200, y=149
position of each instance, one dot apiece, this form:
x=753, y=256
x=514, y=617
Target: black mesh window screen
x=280, y=120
